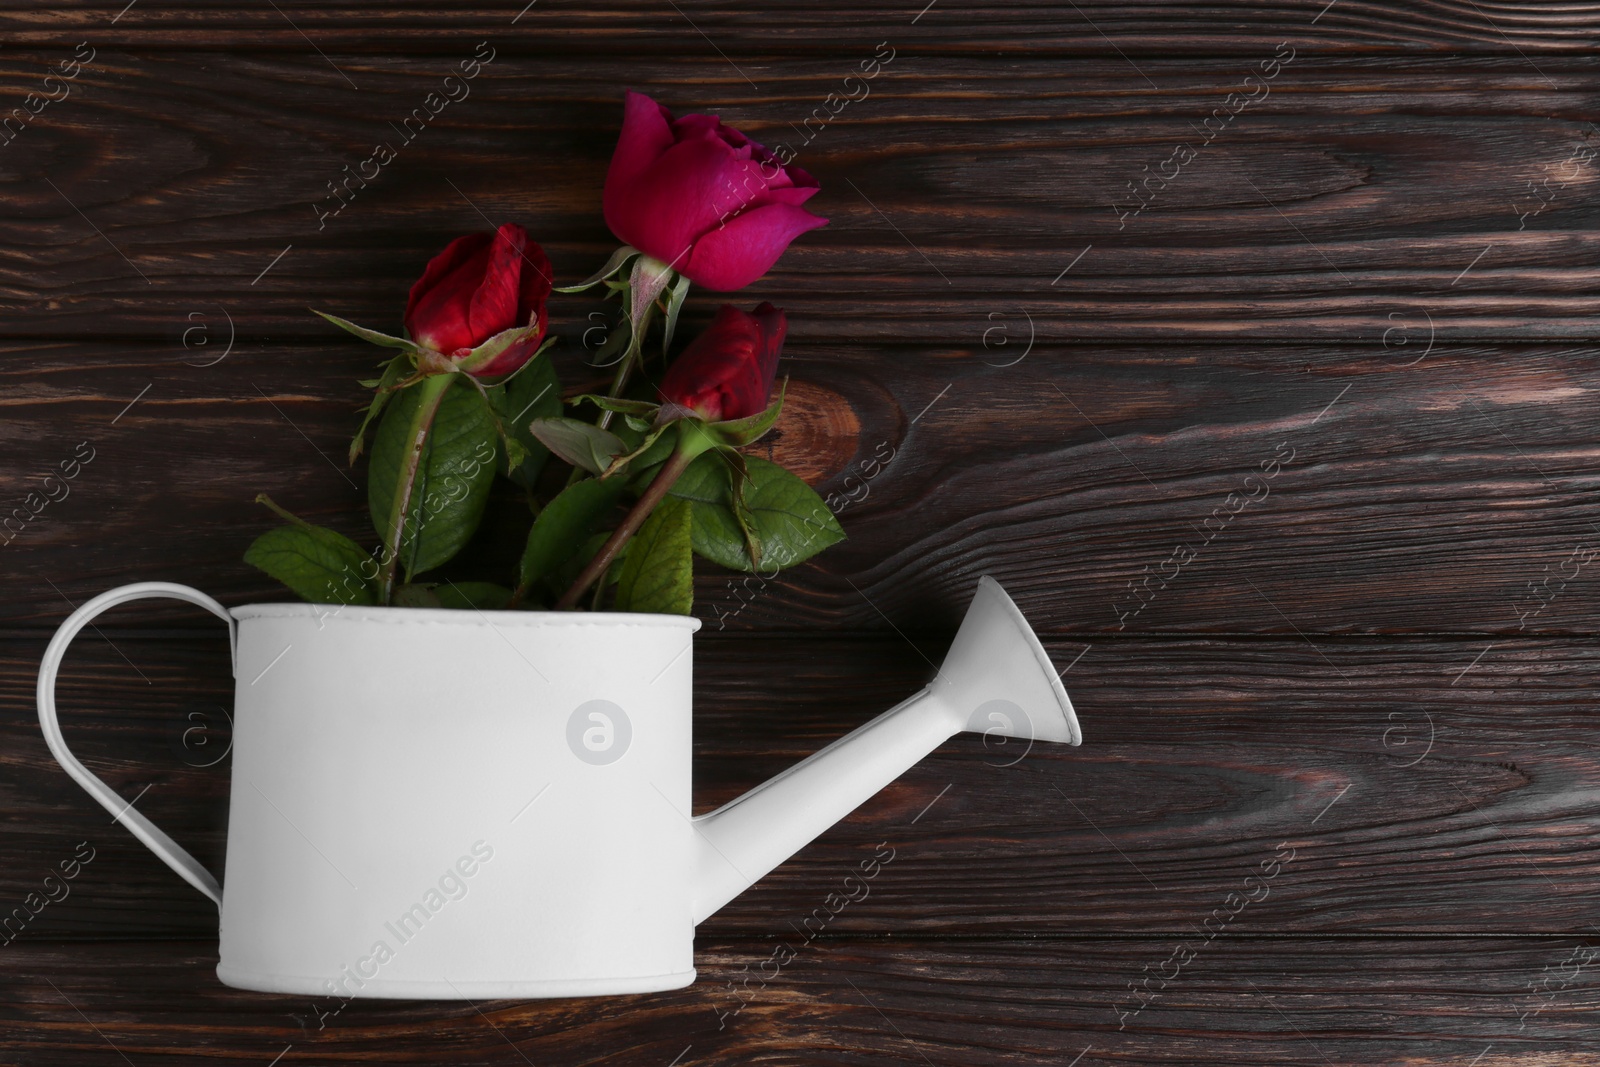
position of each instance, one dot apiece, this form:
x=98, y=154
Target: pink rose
x=702, y=197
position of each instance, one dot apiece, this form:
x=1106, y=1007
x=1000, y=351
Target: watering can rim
x=467, y=617
x=1057, y=687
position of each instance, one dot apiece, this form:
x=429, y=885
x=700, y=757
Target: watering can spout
x=996, y=680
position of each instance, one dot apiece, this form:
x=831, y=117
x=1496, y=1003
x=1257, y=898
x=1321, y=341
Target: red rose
x=702, y=197
x=726, y=372
x=480, y=285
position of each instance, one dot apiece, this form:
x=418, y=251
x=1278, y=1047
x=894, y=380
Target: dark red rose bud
x=480, y=285
x=726, y=373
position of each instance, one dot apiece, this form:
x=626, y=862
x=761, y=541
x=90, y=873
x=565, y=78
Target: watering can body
x=472, y=805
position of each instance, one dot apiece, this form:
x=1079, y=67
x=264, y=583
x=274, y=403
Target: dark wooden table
x=1372, y=670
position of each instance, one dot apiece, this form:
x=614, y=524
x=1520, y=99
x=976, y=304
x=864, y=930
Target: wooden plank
x=1512, y=1003
x=1415, y=786
x=1116, y=489
x=1096, y=27
x=1354, y=197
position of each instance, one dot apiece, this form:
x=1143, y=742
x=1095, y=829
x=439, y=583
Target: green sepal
x=620, y=463
x=373, y=336
x=746, y=431
x=614, y=264
x=675, y=298
x=487, y=352
x=729, y=433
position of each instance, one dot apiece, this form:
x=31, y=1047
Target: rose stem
x=433, y=388
x=645, y=285
x=663, y=481
x=619, y=383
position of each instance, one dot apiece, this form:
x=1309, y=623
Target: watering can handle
x=122, y=811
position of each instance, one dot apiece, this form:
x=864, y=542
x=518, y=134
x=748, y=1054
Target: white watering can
x=460, y=805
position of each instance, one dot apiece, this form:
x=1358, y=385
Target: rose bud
x=702, y=197
x=726, y=373
x=481, y=285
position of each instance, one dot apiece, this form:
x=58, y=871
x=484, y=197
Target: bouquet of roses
x=651, y=470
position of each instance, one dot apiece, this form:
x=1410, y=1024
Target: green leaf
x=476, y=596
x=453, y=475
x=534, y=392
x=322, y=566
x=785, y=516
x=392, y=373
x=580, y=444
x=658, y=575
x=416, y=596
x=612, y=403
x=461, y=596
x=369, y=335
x=740, y=480
x=563, y=576
x=516, y=454
x=564, y=524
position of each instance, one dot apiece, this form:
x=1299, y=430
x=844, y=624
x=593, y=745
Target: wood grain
x=1419, y=786
x=1511, y=1003
x=1293, y=465
x=1095, y=27
x=1442, y=490
x=1357, y=196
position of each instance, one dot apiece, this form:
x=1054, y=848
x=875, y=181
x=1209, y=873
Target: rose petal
x=727, y=371
x=792, y=194
x=693, y=187
x=533, y=292
x=800, y=176
x=697, y=126
x=734, y=255
x=774, y=326
x=646, y=133
x=536, y=282
x=436, y=310
x=493, y=306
